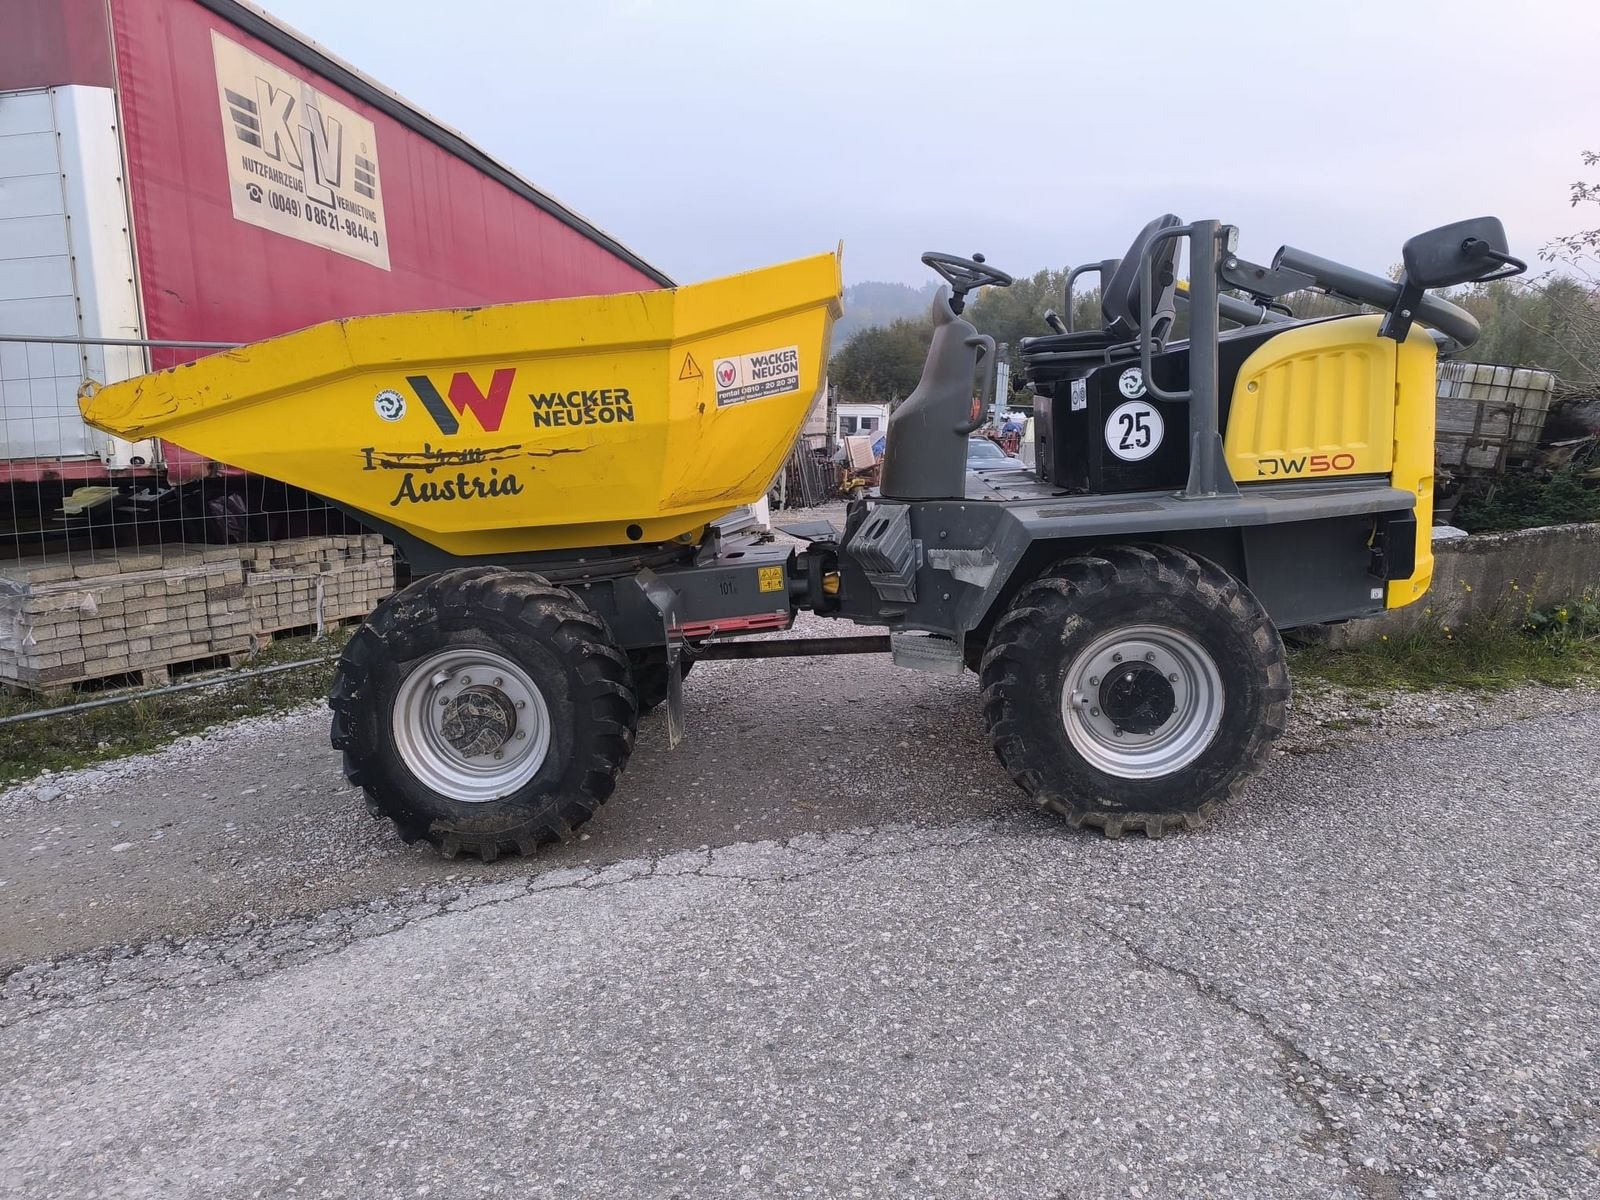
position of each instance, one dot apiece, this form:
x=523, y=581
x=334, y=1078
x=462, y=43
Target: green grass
x=1558, y=646
x=1342, y=724
x=98, y=734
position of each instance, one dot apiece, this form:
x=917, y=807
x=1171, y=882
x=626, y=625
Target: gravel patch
x=1375, y=979
x=227, y=738
x=1325, y=717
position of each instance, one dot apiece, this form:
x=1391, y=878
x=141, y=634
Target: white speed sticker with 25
x=1134, y=430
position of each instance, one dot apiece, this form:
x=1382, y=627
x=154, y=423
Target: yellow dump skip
x=554, y=424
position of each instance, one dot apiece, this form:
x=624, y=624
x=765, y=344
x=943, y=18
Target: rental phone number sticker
x=756, y=376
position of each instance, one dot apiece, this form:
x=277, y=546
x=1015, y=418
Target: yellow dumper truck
x=554, y=474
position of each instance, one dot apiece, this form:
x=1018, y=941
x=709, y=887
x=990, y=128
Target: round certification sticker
x=389, y=404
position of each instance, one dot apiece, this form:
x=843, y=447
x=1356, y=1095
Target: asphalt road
x=821, y=949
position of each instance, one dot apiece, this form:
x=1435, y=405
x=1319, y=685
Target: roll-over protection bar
x=1454, y=322
x=1240, y=312
x=1214, y=260
x=1105, y=268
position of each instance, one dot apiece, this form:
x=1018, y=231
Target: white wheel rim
x=471, y=724
x=1136, y=658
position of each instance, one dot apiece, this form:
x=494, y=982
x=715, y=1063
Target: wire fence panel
x=130, y=562
x=808, y=477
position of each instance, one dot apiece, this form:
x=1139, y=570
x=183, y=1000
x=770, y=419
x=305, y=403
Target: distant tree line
x=882, y=363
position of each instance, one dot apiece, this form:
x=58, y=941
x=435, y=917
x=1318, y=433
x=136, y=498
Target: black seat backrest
x=1119, y=297
x=925, y=453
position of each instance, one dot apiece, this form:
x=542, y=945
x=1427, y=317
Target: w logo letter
x=488, y=407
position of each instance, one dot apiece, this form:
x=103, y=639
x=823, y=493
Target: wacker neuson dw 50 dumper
x=554, y=473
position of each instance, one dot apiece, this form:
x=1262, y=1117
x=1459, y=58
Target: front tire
x=484, y=710
x=1134, y=688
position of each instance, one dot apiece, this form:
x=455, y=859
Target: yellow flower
x=1468, y=586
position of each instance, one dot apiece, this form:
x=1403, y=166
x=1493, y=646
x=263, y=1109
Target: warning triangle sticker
x=691, y=369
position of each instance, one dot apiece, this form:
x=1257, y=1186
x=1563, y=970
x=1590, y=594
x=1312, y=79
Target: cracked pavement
x=814, y=952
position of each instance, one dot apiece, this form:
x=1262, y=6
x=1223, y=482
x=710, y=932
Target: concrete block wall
x=1499, y=576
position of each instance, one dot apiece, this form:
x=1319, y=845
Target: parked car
x=984, y=455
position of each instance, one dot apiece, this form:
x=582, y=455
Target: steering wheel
x=965, y=274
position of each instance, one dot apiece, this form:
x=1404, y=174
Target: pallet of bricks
x=310, y=584
x=101, y=616
x=104, y=614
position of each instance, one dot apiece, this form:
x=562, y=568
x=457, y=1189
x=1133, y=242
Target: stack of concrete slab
x=305, y=584
x=103, y=615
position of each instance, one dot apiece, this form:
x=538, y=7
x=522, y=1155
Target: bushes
x=1576, y=623
x=1528, y=501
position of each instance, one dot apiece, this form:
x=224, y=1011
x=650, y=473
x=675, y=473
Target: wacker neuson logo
x=300, y=163
x=756, y=376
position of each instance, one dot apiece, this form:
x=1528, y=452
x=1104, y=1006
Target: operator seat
x=1119, y=303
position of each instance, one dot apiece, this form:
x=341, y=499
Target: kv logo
x=488, y=407
x=294, y=133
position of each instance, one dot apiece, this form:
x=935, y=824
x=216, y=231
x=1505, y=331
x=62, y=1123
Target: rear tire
x=1134, y=688
x=484, y=711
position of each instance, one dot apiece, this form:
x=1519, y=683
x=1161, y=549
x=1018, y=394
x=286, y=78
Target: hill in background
x=872, y=303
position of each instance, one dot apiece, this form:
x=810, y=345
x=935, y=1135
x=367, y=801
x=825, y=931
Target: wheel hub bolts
x=478, y=721
x=1138, y=700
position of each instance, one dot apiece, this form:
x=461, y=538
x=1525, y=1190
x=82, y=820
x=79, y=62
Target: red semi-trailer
x=194, y=171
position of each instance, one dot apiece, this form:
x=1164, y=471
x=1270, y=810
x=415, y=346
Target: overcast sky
x=716, y=137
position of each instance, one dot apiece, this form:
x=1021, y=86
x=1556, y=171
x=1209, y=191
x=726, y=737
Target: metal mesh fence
x=133, y=561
